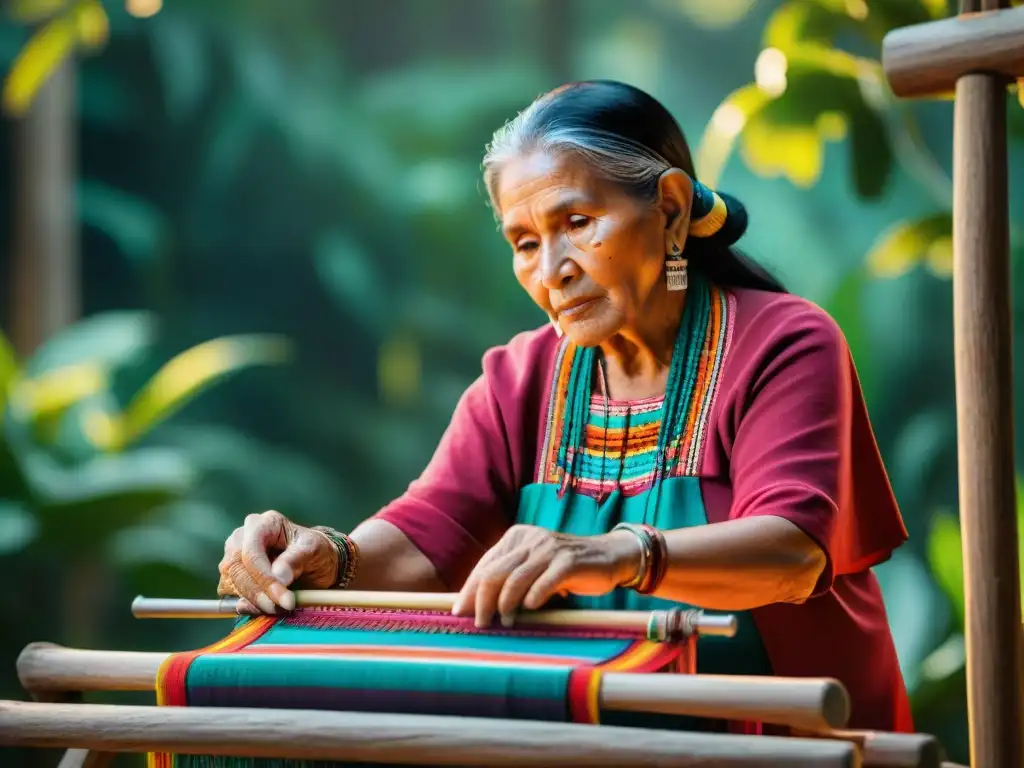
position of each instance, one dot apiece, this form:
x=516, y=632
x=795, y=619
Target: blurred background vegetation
x=247, y=264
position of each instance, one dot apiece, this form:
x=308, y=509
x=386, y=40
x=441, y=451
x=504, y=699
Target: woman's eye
x=526, y=246
x=578, y=221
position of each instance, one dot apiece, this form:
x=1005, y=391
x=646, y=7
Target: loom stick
x=721, y=625
x=402, y=739
x=809, y=704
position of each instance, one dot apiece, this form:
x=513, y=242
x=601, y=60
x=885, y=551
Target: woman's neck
x=638, y=357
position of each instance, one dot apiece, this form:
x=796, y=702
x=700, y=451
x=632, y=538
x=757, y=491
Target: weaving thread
x=404, y=661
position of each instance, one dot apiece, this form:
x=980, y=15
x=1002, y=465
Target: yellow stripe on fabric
x=594, y=697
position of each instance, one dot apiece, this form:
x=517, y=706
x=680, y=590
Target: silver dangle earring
x=555, y=325
x=675, y=270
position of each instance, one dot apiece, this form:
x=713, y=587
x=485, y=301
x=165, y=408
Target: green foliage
x=75, y=471
x=812, y=89
x=927, y=240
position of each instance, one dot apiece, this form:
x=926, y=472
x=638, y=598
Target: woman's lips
x=577, y=308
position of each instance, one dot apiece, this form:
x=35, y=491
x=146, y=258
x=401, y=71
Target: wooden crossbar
x=402, y=739
x=812, y=705
x=813, y=708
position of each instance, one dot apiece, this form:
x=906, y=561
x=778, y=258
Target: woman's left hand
x=530, y=565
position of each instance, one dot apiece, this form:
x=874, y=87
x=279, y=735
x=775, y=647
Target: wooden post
x=916, y=59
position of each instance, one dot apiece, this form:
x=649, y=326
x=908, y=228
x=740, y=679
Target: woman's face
x=589, y=255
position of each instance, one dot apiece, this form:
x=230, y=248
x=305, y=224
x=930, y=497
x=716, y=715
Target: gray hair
x=615, y=158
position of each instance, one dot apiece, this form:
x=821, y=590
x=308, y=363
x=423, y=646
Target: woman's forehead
x=544, y=181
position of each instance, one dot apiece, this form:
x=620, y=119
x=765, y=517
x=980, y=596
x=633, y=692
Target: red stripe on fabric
x=582, y=707
x=171, y=679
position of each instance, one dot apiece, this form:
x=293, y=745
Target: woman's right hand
x=269, y=554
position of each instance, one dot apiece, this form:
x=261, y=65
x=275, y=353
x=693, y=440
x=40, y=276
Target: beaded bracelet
x=348, y=555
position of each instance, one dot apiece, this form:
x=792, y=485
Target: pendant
x=675, y=274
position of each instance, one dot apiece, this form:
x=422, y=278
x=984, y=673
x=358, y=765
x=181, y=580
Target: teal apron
x=678, y=504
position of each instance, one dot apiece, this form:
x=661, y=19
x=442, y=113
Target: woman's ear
x=675, y=198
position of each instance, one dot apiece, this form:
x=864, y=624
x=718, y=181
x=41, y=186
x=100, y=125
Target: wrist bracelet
x=348, y=555
x=659, y=561
x=646, y=553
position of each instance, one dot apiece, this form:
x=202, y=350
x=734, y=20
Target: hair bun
x=736, y=220
x=716, y=215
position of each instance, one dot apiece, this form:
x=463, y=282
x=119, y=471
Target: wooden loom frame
x=974, y=53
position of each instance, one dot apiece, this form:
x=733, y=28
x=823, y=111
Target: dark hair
x=630, y=139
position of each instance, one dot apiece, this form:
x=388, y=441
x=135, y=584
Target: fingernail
x=282, y=596
x=507, y=620
x=245, y=608
x=456, y=608
x=265, y=603
x=287, y=600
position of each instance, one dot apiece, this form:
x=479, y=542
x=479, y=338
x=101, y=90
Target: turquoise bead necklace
x=676, y=406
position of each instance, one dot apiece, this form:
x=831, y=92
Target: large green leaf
x=798, y=22
x=134, y=225
x=724, y=129
x=43, y=55
x=18, y=528
x=8, y=371
x=788, y=135
x=181, y=380
x=109, y=339
x=85, y=505
x=927, y=240
x=946, y=560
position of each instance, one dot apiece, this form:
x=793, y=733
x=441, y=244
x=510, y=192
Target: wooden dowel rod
x=403, y=739
x=722, y=625
x=928, y=59
x=983, y=356
x=809, y=704
x=881, y=749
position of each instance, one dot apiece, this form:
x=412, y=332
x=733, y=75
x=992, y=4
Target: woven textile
x=408, y=662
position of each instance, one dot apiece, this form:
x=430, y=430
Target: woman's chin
x=589, y=332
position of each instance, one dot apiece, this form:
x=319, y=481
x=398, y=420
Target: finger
x=549, y=583
x=245, y=608
x=226, y=587
x=292, y=563
x=492, y=579
x=519, y=582
x=247, y=587
x=261, y=533
x=464, y=603
x=231, y=546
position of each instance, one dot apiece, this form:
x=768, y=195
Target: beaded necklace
x=679, y=392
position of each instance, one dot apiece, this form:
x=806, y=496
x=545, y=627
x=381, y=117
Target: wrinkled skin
x=530, y=565
x=270, y=551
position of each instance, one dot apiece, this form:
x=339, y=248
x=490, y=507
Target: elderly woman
x=683, y=431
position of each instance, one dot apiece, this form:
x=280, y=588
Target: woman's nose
x=556, y=265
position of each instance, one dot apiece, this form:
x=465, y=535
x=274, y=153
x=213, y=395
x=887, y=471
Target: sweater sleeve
x=804, y=449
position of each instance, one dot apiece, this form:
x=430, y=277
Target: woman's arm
x=736, y=565
x=390, y=562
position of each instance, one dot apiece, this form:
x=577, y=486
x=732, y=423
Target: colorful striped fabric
x=410, y=662
x=620, y=445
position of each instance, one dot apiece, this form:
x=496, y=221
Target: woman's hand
x=530, y=565
x=267, y=555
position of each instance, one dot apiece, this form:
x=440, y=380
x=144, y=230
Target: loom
x=353, y=678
